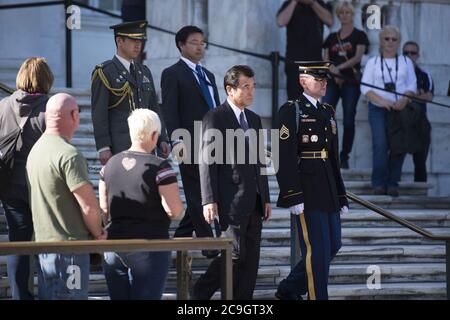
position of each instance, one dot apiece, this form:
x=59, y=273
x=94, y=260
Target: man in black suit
x=189, y=91
x=234, y=191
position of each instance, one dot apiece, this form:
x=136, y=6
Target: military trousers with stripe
x=320, y=239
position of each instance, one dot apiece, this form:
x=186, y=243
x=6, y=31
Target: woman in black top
x=34, y=81
x=345, y=49
x=139, y=194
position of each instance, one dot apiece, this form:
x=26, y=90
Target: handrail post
x=68, y=42
x=275, y=61
x=227, y=270
x=447, y=267
x=182, y=276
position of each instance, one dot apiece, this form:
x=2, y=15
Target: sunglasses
x=410, y=53
x=390, y=39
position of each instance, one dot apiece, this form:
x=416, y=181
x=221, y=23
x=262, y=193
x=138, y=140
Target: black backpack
x=8, y=146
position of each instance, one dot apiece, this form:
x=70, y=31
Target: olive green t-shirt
x=55, y=169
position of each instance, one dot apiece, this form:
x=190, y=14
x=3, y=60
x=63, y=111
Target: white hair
x=142, y=124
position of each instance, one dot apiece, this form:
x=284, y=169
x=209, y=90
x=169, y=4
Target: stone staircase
x=411, y=267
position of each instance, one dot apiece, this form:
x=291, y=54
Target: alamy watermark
x=74, y=277
x=374, y=280
x=373, y=21
x=212, y=146
x=74, y=19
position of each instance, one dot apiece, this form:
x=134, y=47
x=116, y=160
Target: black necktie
x=243, y=122
x=133, y=71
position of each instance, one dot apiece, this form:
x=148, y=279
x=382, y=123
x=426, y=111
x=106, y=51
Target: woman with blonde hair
x=139, y=194
x=395, y=74
x=25, y=108
x=345, y=48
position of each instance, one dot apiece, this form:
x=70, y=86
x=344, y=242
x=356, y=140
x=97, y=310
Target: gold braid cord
x=122, y=92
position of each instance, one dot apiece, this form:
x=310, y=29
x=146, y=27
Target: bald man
x=63, y=202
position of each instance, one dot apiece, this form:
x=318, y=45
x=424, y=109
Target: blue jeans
x=350, y=94
x=386, y=168
x=20, y=228
x=136, y=275
x=320, y=237
x=63, y=276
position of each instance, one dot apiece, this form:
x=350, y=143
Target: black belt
x=314, y=155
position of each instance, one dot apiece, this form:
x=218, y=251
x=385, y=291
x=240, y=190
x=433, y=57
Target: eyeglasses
x=197, y=44
x=390, y=39
x=410, y=53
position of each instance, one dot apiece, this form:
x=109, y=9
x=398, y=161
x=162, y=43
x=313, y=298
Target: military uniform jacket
x=315, y=182
x=115, y=93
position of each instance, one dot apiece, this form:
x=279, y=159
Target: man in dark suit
x=189, y=91
x=119, y=86
x=233, y=189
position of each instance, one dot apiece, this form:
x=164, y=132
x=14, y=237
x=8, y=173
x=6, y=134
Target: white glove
x=297, y=209
x=344, y=209
x=179, y=152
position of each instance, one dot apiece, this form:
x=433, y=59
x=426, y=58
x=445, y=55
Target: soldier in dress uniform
x=118, y=87
x=310, y=182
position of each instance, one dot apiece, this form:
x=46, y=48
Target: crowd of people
x=50, y=197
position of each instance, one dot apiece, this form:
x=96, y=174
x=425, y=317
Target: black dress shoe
x=210, y=253
x=392, y=191
x=379, y=191
x=281, y=295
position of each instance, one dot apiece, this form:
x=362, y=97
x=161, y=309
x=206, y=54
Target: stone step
x=356, y=254
x=412, y=193
x=389, y=291
x=365, y=218
x=358, y=236
x=356, y=187
x=385, y=202
x=426, y=218
x=269, y=277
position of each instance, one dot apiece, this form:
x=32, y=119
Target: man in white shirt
x=189, y=91
x=232, y=190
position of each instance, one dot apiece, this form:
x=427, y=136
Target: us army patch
x=284, y=133
x=305, y=138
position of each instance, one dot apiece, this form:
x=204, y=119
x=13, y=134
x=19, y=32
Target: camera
x=390, y=86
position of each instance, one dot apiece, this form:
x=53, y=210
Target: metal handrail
x=181, y=245
x=6, y=89
x=395, y=218
x=412, y=227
